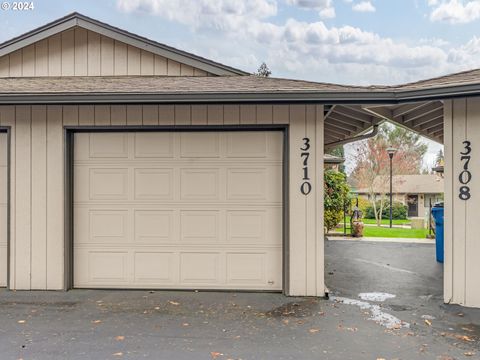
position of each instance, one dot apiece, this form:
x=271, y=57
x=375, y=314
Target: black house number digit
x=306, y=186
x=465, y=175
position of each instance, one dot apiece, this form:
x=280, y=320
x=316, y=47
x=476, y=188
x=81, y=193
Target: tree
x=340, y=152
x=263, y=70
x=372, y=170
x=336, y=195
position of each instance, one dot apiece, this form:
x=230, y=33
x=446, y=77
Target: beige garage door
x=178, y=210
x=3, y=209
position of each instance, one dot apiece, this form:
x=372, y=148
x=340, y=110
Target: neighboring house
x=415, y=191
x=332, y=162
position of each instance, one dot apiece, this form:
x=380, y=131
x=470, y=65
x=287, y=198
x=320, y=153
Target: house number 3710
x=306, y=186
x=465, y=176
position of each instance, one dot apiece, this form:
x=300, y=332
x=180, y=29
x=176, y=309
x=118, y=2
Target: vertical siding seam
x=114, y=58
x=101, y=61
x=74, y=56
x=61, y=55
x=35, y=60
x=30, y=200
x=88, y=37
x=15, y=161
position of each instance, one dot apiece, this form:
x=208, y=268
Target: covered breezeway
x=450, y=116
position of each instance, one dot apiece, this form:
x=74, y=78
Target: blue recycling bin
x=437, y=212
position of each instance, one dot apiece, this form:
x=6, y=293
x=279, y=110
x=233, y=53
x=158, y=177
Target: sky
x=341, y=41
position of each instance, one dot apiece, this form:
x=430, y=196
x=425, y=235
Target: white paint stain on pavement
x=376, y=313
x=376, y=296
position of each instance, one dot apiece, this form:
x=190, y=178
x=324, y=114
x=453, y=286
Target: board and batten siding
x=81, y=52
x=37, y=180
x=462, y=248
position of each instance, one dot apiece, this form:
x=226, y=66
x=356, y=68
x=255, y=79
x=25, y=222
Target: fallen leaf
x=467, y=329
x=185, y=324
x=173, y=303
x=215, y=354
x=313, y=331
x=428, y=322
x=117, y=354
x=96, y=321
x=21, y=321
x=464, y=338
x=157, y=308
x=469, y=353
x=120, y=338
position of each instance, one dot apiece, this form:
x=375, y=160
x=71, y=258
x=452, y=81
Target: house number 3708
x=306, y=186
x=465, y=176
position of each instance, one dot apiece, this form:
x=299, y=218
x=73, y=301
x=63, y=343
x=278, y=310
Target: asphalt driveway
x=101, y=324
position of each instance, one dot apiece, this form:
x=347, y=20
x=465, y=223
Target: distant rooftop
x=410, y=184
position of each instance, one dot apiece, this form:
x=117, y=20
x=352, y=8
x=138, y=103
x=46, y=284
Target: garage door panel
x=153, y=183
x=183, y=215
x=254, y=227
x=154, y=267
x=109, y=184
x=108, y=226
x=203, y=184
x=199, y=226
x=154, y=226
x=153, y=145
x=199, y=145
x=108, y=145
x=200, y=268
x=246, y=268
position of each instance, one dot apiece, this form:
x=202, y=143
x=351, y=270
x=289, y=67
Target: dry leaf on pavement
x=120, y=338
x=215, y=354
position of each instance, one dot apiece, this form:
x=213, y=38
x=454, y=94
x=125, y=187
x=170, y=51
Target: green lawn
x=384, y=221
x=375, y=231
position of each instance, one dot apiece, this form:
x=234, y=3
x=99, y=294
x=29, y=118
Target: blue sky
x=341, y=41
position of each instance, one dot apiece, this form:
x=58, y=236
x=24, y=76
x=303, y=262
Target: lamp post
x=391, y=151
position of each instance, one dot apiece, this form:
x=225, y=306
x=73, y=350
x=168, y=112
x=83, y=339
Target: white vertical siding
x=462, y=249
x=37, y=178
x=80, y=52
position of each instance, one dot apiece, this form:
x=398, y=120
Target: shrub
x=336, y=195
x=399, y=211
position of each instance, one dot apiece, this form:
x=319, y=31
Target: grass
x=384, y=221
x=375, y=231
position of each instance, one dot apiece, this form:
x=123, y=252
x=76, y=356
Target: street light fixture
x=391, y=151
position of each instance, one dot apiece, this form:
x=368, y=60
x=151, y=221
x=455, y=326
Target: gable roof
x=76, y=19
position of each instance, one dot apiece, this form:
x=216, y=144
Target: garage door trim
x=69, y=132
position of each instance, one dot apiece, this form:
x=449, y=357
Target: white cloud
x=218, y=14
x=325, y=8
x=364, y=6
x=454, y=11
x=301, y=49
